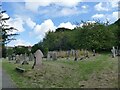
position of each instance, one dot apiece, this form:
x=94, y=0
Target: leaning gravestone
x=113, y=52
x=38, y=59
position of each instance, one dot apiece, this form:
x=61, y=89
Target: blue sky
x=34, y=19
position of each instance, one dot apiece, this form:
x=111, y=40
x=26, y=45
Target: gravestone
x=86, y=53
x=31, y=57
x=113, y=52
x=38, y=59
x=76, y=55
x=68, y=54
x=17, y=59
x=48, y=56
x=54, y=55
x=21, y=57
x=94, y=53
x=25, y=59
x=73, y=52
x=9, y=57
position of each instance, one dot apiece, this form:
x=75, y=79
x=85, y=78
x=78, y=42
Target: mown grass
x=63, y=73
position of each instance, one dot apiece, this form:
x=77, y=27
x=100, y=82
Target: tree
x=4, y=29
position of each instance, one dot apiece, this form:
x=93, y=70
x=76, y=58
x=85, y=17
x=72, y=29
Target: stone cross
x=38, y=59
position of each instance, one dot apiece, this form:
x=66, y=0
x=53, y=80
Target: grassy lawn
x=99, y=71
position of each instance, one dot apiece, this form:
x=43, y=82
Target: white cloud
x=106, y=6
x=4, y=15
x=84, y=6
x=19, y=42
x=102, y=6
x=97, y=16
x=67, y=25
x=41, y=29
x=30, y=23
x=110, y=17
x=17, y=23
x=115, y=15
x=46, y=26
x=114, y=3
x=34, y=6
x=68, y=11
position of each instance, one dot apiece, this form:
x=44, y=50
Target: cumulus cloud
x=39, y=3
x=44, y=27
x=102, y=6
x=30, y=23
x=106, y=6
x=68, y=11
x=40, y=30
x=34, y=6
x=67, y=25
x=98, y=16
x=17, y=23
x=110, y=17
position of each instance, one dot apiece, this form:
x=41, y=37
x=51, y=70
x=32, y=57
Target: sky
x=34, y=18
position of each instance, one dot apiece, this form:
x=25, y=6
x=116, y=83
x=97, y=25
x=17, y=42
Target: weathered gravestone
x=68, y=54
x=25, y=61
x=113, y=52
x=17, y=59
x=76, y=55
x=48, y=56
x=38, y=59
x=54, y=55
x=86, y=54
x=9, y=57
x=31, y=57
x=94, y=53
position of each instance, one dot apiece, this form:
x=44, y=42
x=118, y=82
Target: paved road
x=5, y=80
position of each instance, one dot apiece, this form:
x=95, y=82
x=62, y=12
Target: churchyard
x=64, y=69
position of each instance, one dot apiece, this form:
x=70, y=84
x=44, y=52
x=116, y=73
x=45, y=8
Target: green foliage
x=98, y=36
x=4, y=29
x=21, y=50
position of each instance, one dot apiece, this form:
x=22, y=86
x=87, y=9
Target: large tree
x=4, y=29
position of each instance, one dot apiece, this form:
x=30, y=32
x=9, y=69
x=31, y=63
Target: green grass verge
x=61, y=73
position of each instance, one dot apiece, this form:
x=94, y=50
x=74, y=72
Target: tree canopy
x=98, y=36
